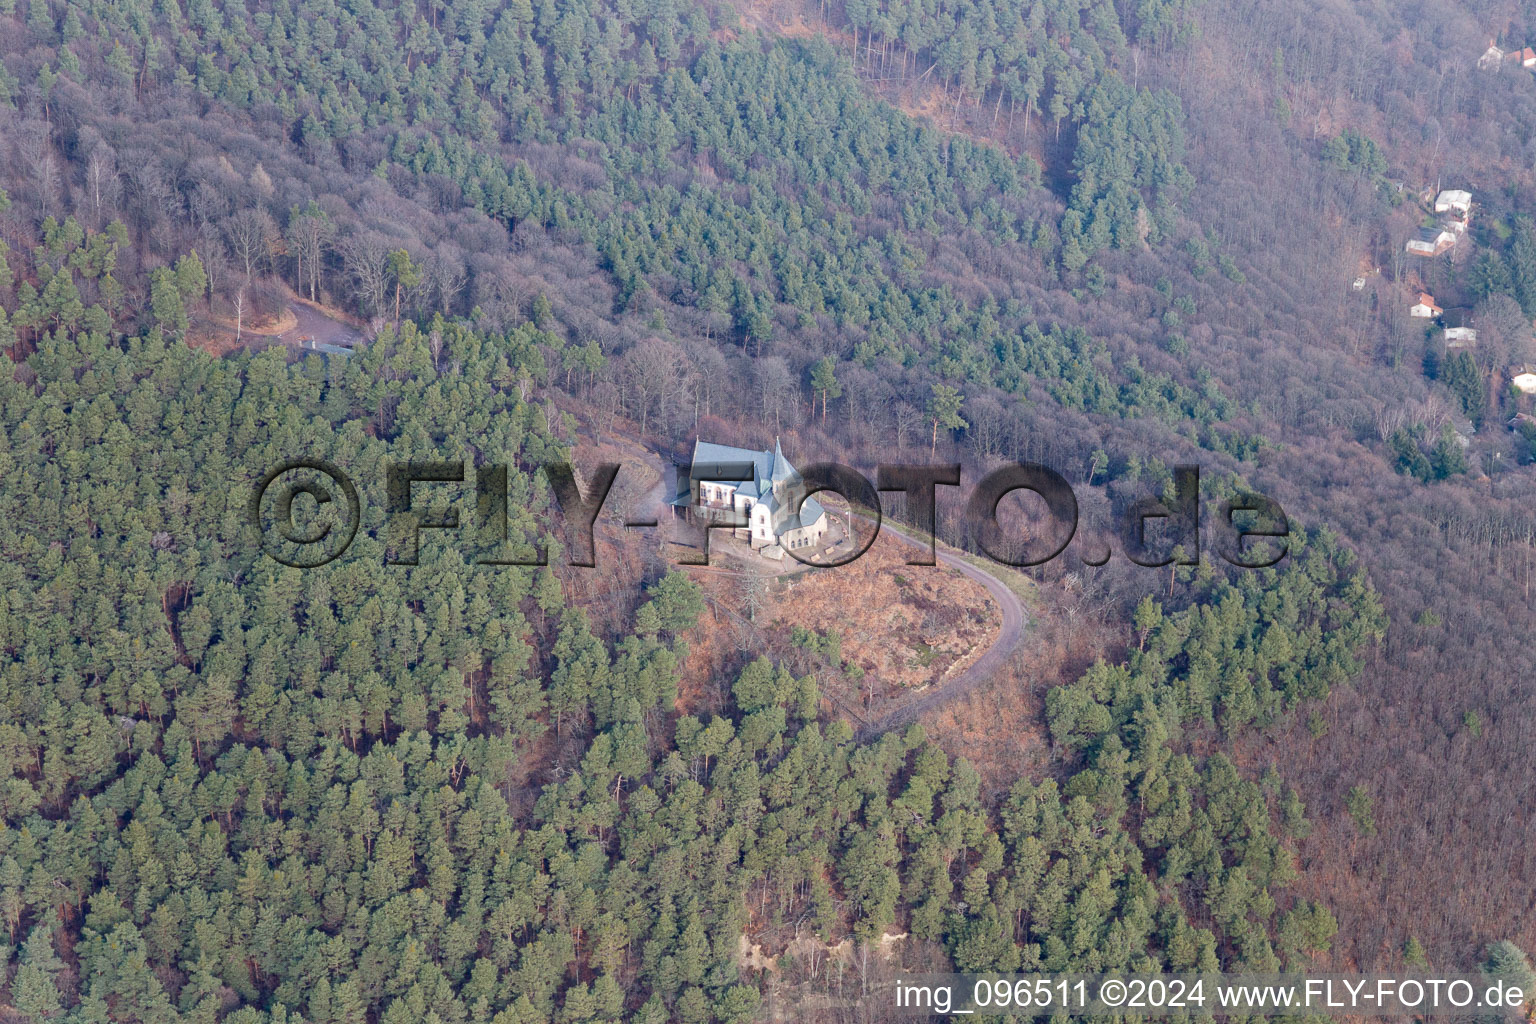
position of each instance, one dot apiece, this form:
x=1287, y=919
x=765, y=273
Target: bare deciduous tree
x=42, y=163
x=444, y=277
x=155, y=201
x=251, y=234
x=308, y=236
x=102, y=184
x=775, y=387
x=499, y=292
x=653, y=375
x=755, y=585
x=907, y=417
x=215, y=257
x=710, y=374
x=239, y=313
x=606, y=399
x=366, y=256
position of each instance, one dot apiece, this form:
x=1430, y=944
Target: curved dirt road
x=991, y=660
x=983, y=668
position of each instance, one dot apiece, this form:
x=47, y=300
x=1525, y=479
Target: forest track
x=992, y=660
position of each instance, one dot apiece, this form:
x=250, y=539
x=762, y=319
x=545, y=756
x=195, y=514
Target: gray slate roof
x=768, y=468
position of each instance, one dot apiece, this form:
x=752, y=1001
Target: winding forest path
x=992, y=660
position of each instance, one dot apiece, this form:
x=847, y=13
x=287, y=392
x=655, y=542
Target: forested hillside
x=1124, y=240
x=234, y=786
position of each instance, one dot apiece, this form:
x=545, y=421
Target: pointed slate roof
x=782, y=470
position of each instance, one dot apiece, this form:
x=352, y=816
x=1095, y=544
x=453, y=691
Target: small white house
x=1460, y=337
x=1425, y=308
x=1454, y=200
x=1431, y=242
x=1524, y=378
x=1491, y=58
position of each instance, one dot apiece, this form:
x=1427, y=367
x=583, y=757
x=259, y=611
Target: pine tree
x=191, y=278
x=166, y=304
x=944, y=411
x=824, y=383
x=406, y=274
x=542, y=314
x=1447, y=457
x=35, y=990
x=677, y=602
x=1508, y=963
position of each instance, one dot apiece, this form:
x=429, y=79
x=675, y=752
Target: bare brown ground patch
x=294, y=320
x=999, y=727
x=263, y=327
x=908, y=627
x=209, y=338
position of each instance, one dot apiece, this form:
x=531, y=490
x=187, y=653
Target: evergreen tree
x=166, y=302
x=944, y=411
x=824, y=383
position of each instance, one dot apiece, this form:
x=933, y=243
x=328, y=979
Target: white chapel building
x=762, y=502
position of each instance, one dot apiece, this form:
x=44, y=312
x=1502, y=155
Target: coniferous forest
x=1111, y=238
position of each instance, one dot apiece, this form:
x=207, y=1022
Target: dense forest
x=1114, y=238
x=305, y=795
